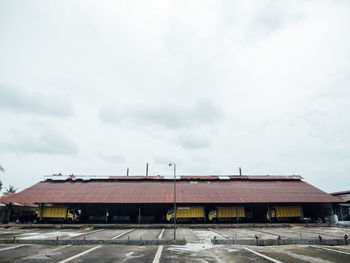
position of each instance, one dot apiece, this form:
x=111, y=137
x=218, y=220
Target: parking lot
x=198, y=247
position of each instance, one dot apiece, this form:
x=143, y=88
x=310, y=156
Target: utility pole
x=174, y=164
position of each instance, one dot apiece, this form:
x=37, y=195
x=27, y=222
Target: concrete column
x=341, y=213
x=302, y=212
x=41, y=212
x=139, y=217
x=269, y=213
x=3, y=215
x=8, y=213
x=107, y=214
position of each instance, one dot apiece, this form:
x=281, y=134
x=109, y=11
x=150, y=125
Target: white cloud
x=112, y=158
x=193, y=141
x=21, y=101
x=173, y=116
x=209, y=85
x=49, y=142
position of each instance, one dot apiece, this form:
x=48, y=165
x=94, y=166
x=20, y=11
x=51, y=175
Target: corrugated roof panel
x=16, y=200
x=344, y=195
x=162, y=192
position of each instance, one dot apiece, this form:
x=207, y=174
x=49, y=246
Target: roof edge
x=82, y=178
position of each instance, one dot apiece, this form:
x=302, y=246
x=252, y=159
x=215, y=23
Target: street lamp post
x=174, y=164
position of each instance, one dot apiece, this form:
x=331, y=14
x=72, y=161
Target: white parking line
x=161, y=234
x=84, y=233
x=59, y=248
x=14, y=232
x=122, y=234
x=158, y=254
x=79, y=255
x=212, y=230
x=334, y=250
x=263, y=256
x=9, y=248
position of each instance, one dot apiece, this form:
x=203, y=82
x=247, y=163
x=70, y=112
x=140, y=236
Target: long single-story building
x=148, y=198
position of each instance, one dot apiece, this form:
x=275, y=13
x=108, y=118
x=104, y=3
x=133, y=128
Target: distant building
x=13, y=211
x=344, y=207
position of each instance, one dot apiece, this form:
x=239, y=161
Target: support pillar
x=41, y=212
x=302, y=212
x=341, y=213
x=139, y=217
x=107, y=214
x=269, y=214
x=8, y=213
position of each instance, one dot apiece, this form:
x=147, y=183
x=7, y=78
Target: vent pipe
x=146, y=169
x=240, y=171
x=127, y=172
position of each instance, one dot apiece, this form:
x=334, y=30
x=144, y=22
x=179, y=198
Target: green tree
x=10, y=190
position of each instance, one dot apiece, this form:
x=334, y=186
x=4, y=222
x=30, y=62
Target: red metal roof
x=154, y=191
x=16, y=200
x=344, y=195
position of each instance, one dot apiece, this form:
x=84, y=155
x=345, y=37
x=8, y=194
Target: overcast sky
x=94, y=87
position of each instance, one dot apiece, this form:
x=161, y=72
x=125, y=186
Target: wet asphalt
x=198, y=247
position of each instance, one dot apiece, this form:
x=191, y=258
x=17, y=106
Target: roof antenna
x=127, y=172
x=146, y=169
x=240, y=171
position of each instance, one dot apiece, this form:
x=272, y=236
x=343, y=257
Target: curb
x=279, y=242
x=94, y=242
x=149, y=226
